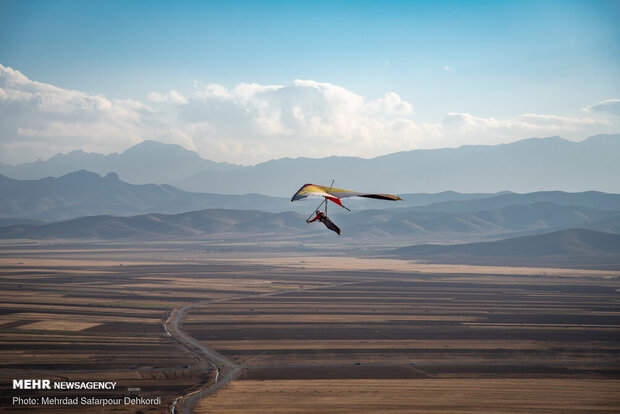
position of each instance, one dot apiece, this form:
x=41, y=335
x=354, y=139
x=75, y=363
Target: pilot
x=320, y=216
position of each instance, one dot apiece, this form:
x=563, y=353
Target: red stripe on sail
x=334, y=199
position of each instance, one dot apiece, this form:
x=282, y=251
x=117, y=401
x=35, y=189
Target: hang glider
x=336, y=194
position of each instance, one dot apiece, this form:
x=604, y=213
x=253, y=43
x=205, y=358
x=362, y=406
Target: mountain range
x=535, y=164
x=389, y=227
x=144, y=163
x=524, y=166
x=210, y=223
x=509, y=221
x=570, y=247
x=84, y=193
x=592, y=199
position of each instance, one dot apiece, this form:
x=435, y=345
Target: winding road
x=228, y=370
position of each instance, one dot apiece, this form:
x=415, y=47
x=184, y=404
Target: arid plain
x=306, y=332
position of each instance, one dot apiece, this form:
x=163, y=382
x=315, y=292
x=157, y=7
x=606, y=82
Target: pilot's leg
x=330, y=225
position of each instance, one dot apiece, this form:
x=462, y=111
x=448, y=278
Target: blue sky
x=489, y=59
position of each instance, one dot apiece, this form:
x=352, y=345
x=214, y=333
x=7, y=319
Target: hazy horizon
x=118, y=152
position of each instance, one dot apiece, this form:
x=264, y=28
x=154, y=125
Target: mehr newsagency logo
x=46, y=384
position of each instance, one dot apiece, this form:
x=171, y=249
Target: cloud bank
x=251, y=123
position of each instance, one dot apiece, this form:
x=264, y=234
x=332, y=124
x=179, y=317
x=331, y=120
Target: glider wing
x=335, y=194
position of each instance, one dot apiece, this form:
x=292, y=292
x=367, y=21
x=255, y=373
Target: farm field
x=419, y=396
x=446, y=340
x=347, y=333
x=96, y=313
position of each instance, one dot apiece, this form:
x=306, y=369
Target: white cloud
x=251, y=123
x=170, y=97
x=391, y=104
x=608, y=106
x=461, y=128
x=39, y=120
x=303, y=118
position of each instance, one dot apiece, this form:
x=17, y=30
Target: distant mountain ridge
x=592, y=199
x=144, y=163
x=84, y=193
x=536, y=164
x=523, y=166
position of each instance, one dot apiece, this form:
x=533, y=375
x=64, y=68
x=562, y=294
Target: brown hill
x=563, y=248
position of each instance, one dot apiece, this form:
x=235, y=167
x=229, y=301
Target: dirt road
x=227, y=369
